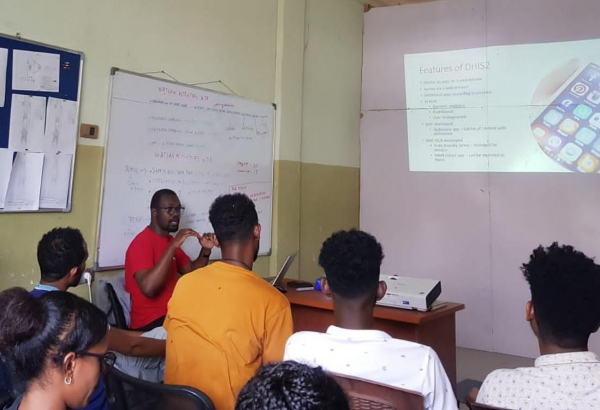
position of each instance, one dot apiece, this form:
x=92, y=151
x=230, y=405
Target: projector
x=410, y=293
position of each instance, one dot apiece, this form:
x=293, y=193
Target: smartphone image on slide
x=568, y=129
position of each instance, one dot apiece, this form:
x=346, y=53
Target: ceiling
x=385, y=3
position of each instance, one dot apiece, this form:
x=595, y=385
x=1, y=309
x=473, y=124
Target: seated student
x=563, y=312
x=224, y=321
x=291, y=386
x=154, y=260
x=55, y=346
x=351, y=260
x=62, y=254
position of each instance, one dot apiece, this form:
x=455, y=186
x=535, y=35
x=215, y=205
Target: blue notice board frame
x=71, y=71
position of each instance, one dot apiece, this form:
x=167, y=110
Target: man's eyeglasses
x=171, y=210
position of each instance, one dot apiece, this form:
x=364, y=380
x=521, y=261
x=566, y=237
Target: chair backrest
x=367, y=395
x=115, y=307
x=128, y=393
x=478, y=406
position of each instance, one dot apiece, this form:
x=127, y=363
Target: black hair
x=292, y=386
x=352, y=262
x=37, y=332
x=155, y=201
x=565, y=293
x=59, y=251
x=233, y=217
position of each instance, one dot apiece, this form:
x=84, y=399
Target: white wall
x=472, y=231
x=332, y=82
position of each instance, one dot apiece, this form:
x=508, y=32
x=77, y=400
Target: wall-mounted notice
x=6, y=161
x=23, y=192
x=27, y=120
x=55, y=181
x=33, y=71
x=61, y=126
x=3, y=63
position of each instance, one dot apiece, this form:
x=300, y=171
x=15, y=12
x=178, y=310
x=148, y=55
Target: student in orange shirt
x=224, y=321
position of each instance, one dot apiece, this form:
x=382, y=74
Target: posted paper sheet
x=3, y=61
x=25, y=182
x=33, y=71
x=6, y=160
x=61, y=126
x=55, y=181
x=27, y=120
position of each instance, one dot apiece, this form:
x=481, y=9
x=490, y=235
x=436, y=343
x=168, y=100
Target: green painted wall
x=328, y=204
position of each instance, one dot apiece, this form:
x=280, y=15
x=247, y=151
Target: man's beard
x=256, y=252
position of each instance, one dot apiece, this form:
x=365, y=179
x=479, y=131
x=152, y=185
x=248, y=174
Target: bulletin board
x=40, y=87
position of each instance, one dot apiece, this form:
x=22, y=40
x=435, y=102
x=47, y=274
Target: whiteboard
x=199, y=143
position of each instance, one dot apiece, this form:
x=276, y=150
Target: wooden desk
x=313, y=310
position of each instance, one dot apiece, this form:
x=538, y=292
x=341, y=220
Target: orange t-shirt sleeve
x=279, y=328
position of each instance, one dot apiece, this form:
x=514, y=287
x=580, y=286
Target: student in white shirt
x=563, y=312
x=352, y=260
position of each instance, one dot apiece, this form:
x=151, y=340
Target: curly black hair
x=33, y=331
x=291, y=386
x=59, y=251
x=233, y=217
x=351, y=260
x=565, y=292
x=155, y=201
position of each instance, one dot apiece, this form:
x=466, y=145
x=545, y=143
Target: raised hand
x=208, y=241
x=182, y=235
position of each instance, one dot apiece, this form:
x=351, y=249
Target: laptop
x=276, y=281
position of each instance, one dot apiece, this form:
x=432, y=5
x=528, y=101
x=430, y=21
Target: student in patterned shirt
x=563, y=312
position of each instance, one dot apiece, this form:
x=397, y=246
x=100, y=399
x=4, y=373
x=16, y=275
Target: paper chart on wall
x=55, y=181
x=6, y=160
x=23, y=192
x=27, y=120
x=3, y=62
x=61, y=126
x=33, y=71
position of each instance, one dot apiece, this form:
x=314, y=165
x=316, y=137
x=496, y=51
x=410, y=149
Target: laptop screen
x=286, y=266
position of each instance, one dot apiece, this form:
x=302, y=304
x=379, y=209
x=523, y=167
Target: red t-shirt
x=144, y=252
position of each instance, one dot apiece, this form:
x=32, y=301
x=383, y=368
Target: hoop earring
x=68, y=380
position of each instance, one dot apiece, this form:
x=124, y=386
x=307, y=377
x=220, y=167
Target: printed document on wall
x=33, y=71
x=61, y=126
x=3, y=62
x=6, y=160
x=25, y=182
x=27, y=120
x=55, y=180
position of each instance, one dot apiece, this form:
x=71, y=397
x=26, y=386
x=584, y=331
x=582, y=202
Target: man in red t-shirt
x=154, y=259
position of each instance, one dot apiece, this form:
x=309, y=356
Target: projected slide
x=523, y=108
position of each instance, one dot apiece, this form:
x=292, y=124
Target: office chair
x=115, y=308
x=129, y=393
x=366, y=395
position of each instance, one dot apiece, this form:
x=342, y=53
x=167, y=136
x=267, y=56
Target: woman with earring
x=55, y=348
